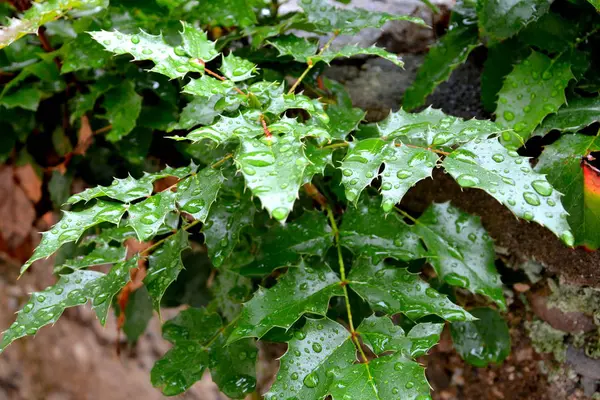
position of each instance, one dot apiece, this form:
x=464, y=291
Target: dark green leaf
x=197, y=193
x=501, y=19
x=146, y=217
x=137, y=314
x=578, y=113
x=123, y=106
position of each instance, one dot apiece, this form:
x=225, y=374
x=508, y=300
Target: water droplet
x=509, y=116
x=511, y=202
x=551, y=202
x=311, y=380
x=542, y=187
x=467, y=180
x=508, y=181
x=147, y=52
x=41, y=298
x=294, y=376
x=100, y=299
x=498, y=158
x=403, y=174
x=59, y=291
x=398, y=366
x=333, y=372
x=31, y=331
x=135, y=39
x=280, y=213
x=304, y=286
x=547, y=75
x=528, y=216
x=531, y=198
x=457, y=280
x=409, y=385
x=387, y=205
x=317, y=347
x=347, y=172
x=299, y=335
x=179, y=51
x=567, y=238
x=431, y=292
x=386, y=186
x=28, y=307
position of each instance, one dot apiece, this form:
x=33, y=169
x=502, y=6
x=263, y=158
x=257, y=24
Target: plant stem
x=311, y=64
x=219, y=77
x=407, y=215
x=336, y=145
x=344, y=283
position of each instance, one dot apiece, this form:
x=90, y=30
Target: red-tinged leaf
x=591, y=201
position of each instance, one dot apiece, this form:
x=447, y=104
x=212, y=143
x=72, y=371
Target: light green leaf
x=165, y=265
x=365, y=230
x=27, y=97
x=196, y=43
x=199, y=111
x=578, y=113
x=237, y=69
x=561, y=161
x=245, y=125
x=319, y=159
x=395, y=290
x=207, y=86
x=509, y=178
x=108, y=286
x=484, y=341
x=72, y=225
x=283, y=245
x=534, y=89
x=146, y=217
x=350, y=51
x=196, y=194
x=303, y=289
x=316, y=354
x=462, y=253
x=325, y=18
x=274, y=170
x=123, y=106
x=444, y=57
x=501, y=19
x=100, y=255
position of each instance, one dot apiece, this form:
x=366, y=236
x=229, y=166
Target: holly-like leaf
x=223, y=227
x=230, y=291
x=316, y=354
x=381, y=335
x=461, y=251
x=146, y=217
x=303, y=289
x=170, y=61
x=123, y=106
x=196, y=194
x=578, y=113
x=41, y=13
x=72, y=225
x=100, y=255
x=509, y=178
x=484, y=341
x=346, y=120
x=237, y=69
x=319, y=159
x=396, y=290
x=199, y=111
x=82, y=53
x=104, y=289
x=325, y=18
x=165, y=265
x=198, y=344
x=274, y=170
x=534, y=89
x=366, y=230
x=138, y=313
x=246, y=125
x=501, y=19
x=444, y=57
x=562, y=162
x=283, y=245
x=386, y=377
x=196, y=44
x=207, y=86
x=404, y=167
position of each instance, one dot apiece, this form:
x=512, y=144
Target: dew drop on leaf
x=311, y=380
x=467, y=180
x=531, y=198
x=542, y=187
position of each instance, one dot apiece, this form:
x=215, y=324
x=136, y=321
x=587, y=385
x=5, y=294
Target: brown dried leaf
x=17, y=213
x=29, y=181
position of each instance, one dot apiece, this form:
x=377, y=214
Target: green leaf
x=196, y=194
x=509, y=178
x=207, y=87
x=283, y=245
x=315, y=356
x=198, y=344
x=199, y=111
x=501, y=19
x=237, y=69
x=350, y=51
x=561, y=161
x=165, y=265
x=223, y=227
x=168, y=61
x=82, y=53
x=346, y=120
x=108, y=286
x=433, y=128
x=534, y=89
x=28, y=98
x=230, y=291
x=146, y=217
x=138, y=313
x=404, y=167
x=101, y=254
x=123, y=106
x=448, y=54
x=462, y=253
x=196, y=44
x=484, y=341
x=39, y=14
x=319, y=159
x=365, y=230
x=396, y=290
x=387, y=377
x=595, y=3
x=262, y=164
x=59, y=188
x=303, y=289
x=72, y=225
x=246, y=125
x=578, y=113
x=381, y=335
x=552, y=33
x=325, y=18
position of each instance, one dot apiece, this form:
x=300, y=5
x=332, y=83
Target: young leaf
x=448, y=53
x=316, y=354
x=146, y=217
x=578, y=113
x=367, y=231
x=461, y=251
x=283, y=245
x=501, y=19
x=484, y=341
x=509, y=178
x=123, y=106
x=325, y=18
x=395, y=290
x=72, y=225
x=196, y=44
x=237, y=69
x=562, y=162
x=534, y=89
x=165, y=265
x=303, y=289
x=196, y=194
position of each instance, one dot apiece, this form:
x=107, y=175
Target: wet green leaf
x=230, y=291
x=197, y=193
x=137, y=314
x=501, y=19
x=578, y=113
x=146, y=217
x=237, y=69
x=123, y=106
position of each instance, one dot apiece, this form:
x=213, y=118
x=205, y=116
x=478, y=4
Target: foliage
x=284, y=199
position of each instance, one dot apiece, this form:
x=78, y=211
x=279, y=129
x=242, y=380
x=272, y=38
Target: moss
x=570, y=298
x=546, y=339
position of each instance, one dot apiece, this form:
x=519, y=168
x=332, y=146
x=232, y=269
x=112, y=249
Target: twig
x=264, y=126
x=311, y=64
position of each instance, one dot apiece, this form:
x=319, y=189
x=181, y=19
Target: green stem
x=407, y=215
x=161, y=241
x=336, y=145
x=311, y=65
